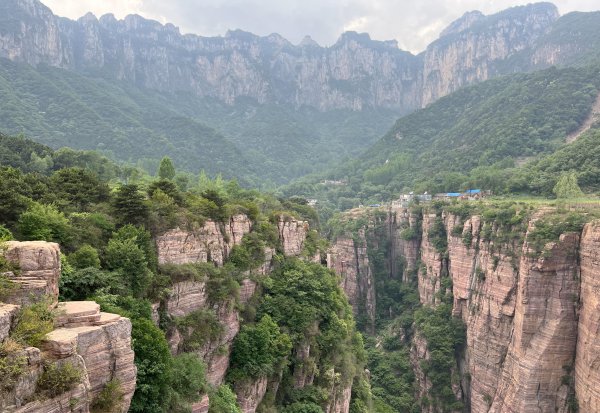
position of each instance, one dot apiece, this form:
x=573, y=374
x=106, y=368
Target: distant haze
x=414, y=24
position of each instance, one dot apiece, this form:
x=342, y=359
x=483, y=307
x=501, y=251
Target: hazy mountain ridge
x=353, y=73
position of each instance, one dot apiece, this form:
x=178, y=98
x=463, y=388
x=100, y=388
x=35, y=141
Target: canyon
x=530, y=312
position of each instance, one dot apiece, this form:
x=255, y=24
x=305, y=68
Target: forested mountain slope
x=258, y=108
x=473, y=137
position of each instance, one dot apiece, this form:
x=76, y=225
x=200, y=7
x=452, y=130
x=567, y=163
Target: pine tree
x=130, y=205
x=166, y=170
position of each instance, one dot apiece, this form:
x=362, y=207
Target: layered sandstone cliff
x=212, y=243
x=530, y=316
x=97, y=344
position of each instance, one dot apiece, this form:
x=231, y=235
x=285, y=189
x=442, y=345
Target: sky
x=413, y=23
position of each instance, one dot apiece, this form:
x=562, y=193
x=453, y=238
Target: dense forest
x=262, y=145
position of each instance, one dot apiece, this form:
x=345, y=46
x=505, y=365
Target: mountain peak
x=463, y=23
x=308, y=41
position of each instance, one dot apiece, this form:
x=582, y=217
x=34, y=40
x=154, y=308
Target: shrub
x=467, y=239
x=551, y=227
x=12, y=364
x=299, y=407
x=82, y=284
x=187, y=272
x=58, y=378
x=437, y=235
x=45, y=223
x=188, y=381
x=222, y=285
x=153, y=361
x=223, y=400
x=33, y=323
x=128, y=258
x=409, y=234
x=86, y=256
x=110, y=398
x=197, y=328
x=457, y=231
x=5, y=234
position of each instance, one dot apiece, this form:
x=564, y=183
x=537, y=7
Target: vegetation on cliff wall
x=110, y=257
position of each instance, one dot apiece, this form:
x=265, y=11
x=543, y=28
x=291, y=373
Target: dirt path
x=593, y=117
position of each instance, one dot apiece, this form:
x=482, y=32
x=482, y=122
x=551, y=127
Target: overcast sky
x=413, y=23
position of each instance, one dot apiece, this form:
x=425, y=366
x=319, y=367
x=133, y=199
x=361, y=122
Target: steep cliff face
x=349, y=258
x=355, y=72
x=212, y=243
x=530, y=314
x=469, y=49
x=95, y=343
x=587, y=361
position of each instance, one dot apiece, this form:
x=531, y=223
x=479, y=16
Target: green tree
x=166, y=170
x=259, y=350
x=142, y=239
x=16, y=192
x=153, y=361
x=5, y=234
x=567, y=186
x=188, y=381
x=81, y=284
x=86, y=256
x=129, y=259
x=78, y=187
x=44, y=222
x=130, y=205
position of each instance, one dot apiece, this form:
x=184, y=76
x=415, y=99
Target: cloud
x=412, y=23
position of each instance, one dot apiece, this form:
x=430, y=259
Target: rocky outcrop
x=202, y=405
x=354, y=73
x=433, y=266
x=404, y=227
x=339, y=401
x=211, y=243
x=188, y=297
x=292, y=234
x=95, y=343
x=102, y=340
x=250, y=394
x=542, y=348
x=8, y=313
x=36, y=273
x=484, y=279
